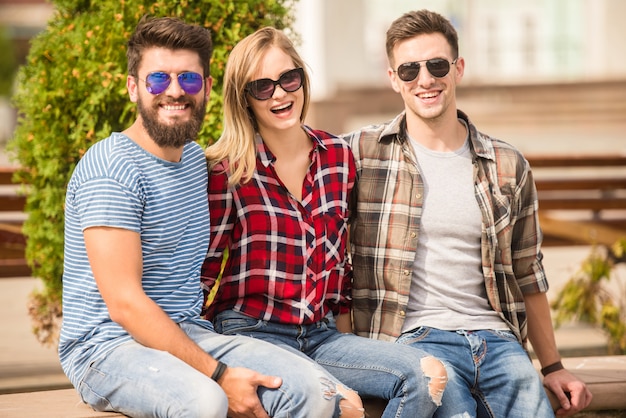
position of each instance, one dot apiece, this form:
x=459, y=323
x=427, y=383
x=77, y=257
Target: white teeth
x=428, y=95
x=173, y=107
x=281, y=107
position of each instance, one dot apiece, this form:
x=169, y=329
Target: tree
x=72, y=92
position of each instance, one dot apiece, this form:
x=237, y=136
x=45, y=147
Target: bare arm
x=541, y=335
x=344, y=323
x=116, y=260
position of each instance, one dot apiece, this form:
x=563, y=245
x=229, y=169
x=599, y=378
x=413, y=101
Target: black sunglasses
x=438, y=67
x=158, y=81
x=263, y=89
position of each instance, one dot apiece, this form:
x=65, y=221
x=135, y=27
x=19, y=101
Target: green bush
x=72, y=93
x=595, y=295
x=7, y=63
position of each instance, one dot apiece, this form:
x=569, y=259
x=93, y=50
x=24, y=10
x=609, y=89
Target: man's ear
x=131, y=86
x=208, y=83
x=460, y=69
x=394, y=80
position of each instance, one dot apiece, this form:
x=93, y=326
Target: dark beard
x=178, y=134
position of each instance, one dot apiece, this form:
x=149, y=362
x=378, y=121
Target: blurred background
x=546, y=75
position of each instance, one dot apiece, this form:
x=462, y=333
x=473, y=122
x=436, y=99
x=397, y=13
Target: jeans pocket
x=504, y=334
x=91, y=387
x=413, y=336
x=232, y=323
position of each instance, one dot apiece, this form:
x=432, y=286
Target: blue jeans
x=143, y=382
x=489, y=374
x=374, y=369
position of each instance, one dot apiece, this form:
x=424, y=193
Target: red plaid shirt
x=286, y=259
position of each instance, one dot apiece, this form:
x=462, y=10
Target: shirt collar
x=480, y=144
x=266, y=156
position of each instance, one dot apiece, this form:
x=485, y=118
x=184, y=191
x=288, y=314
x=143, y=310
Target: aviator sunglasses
x=263, y=89
x=438, y=67
x=158, y=81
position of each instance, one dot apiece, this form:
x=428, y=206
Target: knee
x=350, y=404
x=211, y=404
x=436, y=372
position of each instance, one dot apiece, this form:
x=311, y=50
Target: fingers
x=271, y=382
x=241, y=385
x=577, y=399
x=580, y=398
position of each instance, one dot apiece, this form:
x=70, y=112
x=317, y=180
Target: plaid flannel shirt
x=387, y=205
x=287, y=260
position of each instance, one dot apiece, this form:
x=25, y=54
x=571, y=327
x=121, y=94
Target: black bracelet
x=552, y=368
x=219, y=371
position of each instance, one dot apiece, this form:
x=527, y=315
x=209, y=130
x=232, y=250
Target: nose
x=424, y=77
x=279, y=92
x=174, y=89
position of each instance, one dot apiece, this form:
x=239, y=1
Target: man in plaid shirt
x=446, y=240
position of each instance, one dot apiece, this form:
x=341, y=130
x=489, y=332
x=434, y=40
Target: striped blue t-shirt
x=119, y=184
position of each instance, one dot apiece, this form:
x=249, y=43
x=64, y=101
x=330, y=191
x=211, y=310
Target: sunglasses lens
x=291, y=80
x=261, y=89
x=438, y=67
x=157, y=83
x=408, y=71
x=190, y=82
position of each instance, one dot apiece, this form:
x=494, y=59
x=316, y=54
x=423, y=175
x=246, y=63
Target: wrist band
x=552, y=368
x=219, y=371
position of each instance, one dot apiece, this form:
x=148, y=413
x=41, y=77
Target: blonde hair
x=236, y=146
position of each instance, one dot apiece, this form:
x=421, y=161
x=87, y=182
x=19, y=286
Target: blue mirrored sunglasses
x=158, y=81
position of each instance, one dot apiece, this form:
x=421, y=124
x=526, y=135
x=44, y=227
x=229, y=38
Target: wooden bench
x=12, y=241
x=582, y=198
x=605, y=376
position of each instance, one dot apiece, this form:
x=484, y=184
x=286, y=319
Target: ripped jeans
x=374, y=369
x=489, y=374
x=143, y=382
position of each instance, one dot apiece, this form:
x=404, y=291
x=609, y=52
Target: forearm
x=344, y=323
x=150, y=326
x=540, y=330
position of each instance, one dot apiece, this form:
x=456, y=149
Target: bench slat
x=561, y=161
x=12, y=203
x=573, y=203
x=611, y=183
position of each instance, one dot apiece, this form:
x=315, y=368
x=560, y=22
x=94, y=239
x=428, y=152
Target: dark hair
x=420, y=22
x=170, y=33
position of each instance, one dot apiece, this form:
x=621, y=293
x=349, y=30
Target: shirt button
x=413, y=234
x=418, y=196
x=402, y=313
x=406, y=272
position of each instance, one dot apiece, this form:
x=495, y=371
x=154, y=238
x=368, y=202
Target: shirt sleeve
x=222, y=216
x=103, y=201
x=526, y=240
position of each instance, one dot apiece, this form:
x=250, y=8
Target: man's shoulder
x=373, y=132
x=490, y=147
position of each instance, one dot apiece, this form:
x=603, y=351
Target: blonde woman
x=278, y=201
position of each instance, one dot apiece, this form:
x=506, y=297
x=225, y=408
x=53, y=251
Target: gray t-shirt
x=448, y=287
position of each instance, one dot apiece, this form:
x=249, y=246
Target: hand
x=241, y=385
x=562, y=381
